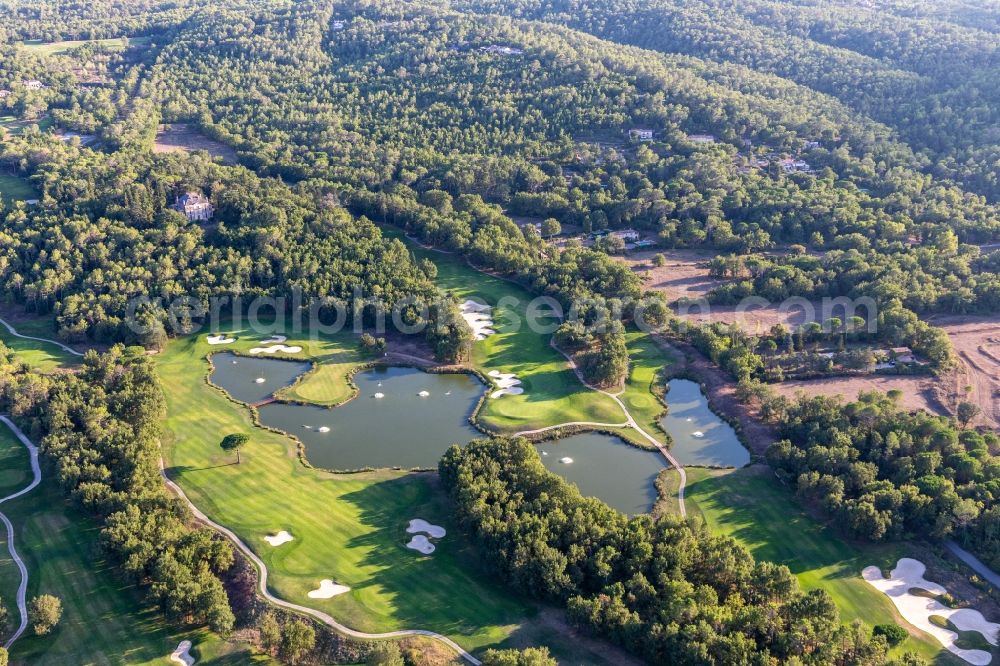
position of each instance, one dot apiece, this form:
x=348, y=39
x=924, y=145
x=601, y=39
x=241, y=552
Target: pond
x=699, y=436
x=402, y=428
x=607, y=468
x=240, y=375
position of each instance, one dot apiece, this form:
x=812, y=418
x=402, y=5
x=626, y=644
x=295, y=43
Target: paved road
x=974, y=563
x=66, y=348
x=319, y=615
x=22, y=589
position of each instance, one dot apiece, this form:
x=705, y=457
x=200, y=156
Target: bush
x=894, y=634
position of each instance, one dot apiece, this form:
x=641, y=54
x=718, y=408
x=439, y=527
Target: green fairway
x=645, y=384
x=15, y=188
x=349, y=528
x=42, y=356
x=39, y=47
x=104, y=620
x=552, y=393
x=752, y=506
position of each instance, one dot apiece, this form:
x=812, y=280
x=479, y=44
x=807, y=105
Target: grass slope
x=350, y=528
x=39, y=47
x=753, y=507
x=104, y=620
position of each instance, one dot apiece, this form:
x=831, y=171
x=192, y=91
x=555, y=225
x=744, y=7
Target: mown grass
x=350, y=528
x=752, y=506
x=645, y=383
x=15, y=188
x=552, y=393
x=105, y=621
x=39, y=47
x=41, y=356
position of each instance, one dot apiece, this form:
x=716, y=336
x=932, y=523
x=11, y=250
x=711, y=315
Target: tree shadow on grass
x=447, y=591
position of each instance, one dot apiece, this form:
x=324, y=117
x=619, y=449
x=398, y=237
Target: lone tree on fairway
x=234, y=442
x=45, y=611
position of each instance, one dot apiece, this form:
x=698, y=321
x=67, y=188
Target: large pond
x=402, y=428
x=605, y=467
x=699, y=436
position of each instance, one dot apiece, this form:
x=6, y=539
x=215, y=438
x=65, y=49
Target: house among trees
x=33, y=84
x=640, y=134
x=501, y=50
x=903, y=355
x=701, y=138
x=4, y=94
x=627, y=235
x=196, y=208
x=790, y=165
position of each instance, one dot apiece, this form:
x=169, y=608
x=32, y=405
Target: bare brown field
x=685, y=276
x=179, y=137
x=922, y=392
x=977, y=345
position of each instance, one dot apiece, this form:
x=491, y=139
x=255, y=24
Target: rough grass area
x=39, y=47
x=104, y=619
x=41, y=356
x=752, y=506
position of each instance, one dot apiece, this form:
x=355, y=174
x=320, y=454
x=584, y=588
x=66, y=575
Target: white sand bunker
x=274, y=349
x=328, y=589
x=917, y=610
x=277, y=539
x=182, y=655
x=220, y=340
x=479, y=318
x=507, y=384
x=421, y=525
x=421, y=544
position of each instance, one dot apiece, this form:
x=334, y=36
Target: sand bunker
x=220, y=340
x=182, y=655
x=507, y=384
x=421, y=525
x=917, y=610
x=274, y=349
x=274, y=339
x=328, y=589
x=479, y=318
x=277, y=539
x=421, y=544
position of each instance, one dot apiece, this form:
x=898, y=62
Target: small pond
x=605, y=467
x=402, y=428
x=699, y=436
x=240, y=375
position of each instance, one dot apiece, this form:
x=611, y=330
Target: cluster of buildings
x=30, y=84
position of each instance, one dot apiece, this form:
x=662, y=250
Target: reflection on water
x=605, y=467
x=699, y=436
x=402, y=417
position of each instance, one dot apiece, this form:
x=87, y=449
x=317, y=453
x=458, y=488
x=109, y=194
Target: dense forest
x=98, y=430
x=666, y=591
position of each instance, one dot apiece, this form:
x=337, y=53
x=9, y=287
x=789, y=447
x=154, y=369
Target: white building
x=501, y=50
x=627, y=235
x=195, y=207
x=4, y=94
x=640, y=134
x=33, y=84
x=701, y=138
x=790, y=165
